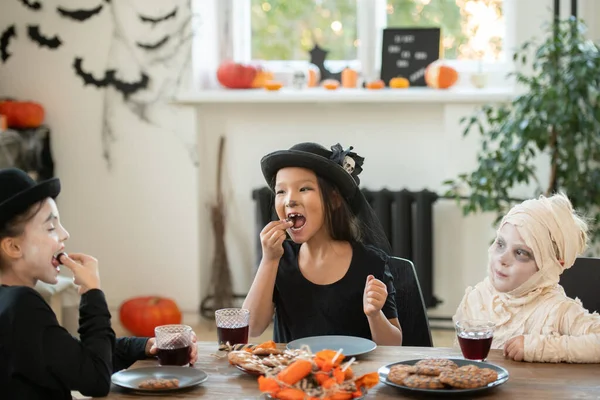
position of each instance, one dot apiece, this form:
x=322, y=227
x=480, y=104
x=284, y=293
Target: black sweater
x=40, y=360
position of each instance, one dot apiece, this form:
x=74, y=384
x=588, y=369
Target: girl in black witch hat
x=38, y=358
x=332, y=277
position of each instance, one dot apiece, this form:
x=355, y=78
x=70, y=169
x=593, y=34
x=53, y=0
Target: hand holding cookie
x=374, y=296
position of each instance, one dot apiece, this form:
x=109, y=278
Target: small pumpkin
x=314, y=76
x=140, y=315
x=331, y=84
x=374, y=85
x=261, y=78
x=399, y=83
x=440, y=76
x=273, y=85
x=22, y=114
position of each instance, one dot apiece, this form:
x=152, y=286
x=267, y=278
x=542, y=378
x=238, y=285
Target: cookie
x=423, y=382
x=399, y=372
x=275, y=361
x=434, y=366
x=468, y=377
x=159, y=384
x=265, y=352
x=239, y=357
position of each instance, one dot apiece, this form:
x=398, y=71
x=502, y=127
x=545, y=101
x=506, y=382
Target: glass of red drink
x=232, y=325
x=475, y=338
x=174, y=344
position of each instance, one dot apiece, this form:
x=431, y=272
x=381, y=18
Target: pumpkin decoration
x=440, y=76
x=261, y=78
x=236, y=76
x=273, y=85
x=399, y=83
x=349, y=78
x=330, y=84
x=22, y=114
x=314, y=76
x=378, y=84
x=141, y=315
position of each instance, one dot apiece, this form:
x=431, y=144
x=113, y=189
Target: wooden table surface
x=527, y=380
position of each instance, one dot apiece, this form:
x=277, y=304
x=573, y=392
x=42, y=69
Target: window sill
x=318, y=95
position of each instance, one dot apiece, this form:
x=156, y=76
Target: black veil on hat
x=19, y=191
x=341, y=168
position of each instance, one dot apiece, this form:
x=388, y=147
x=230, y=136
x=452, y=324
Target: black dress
x=40, y=360
x=304, y=309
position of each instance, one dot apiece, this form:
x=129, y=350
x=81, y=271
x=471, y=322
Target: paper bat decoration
x=79, y=15
x=153, y=46
x=155, y=21
x=8, y=34
x=32, y=5
x=125, y=88
x=33, y=31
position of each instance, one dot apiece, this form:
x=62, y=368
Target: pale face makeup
x=511, y=261
x=43, y=238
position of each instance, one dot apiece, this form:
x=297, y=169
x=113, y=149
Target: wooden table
x=527, y=380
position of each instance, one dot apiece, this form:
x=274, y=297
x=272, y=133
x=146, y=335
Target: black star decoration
x=317, y=57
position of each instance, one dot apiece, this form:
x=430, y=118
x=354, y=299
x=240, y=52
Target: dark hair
x=16, y=225
x=338, y=217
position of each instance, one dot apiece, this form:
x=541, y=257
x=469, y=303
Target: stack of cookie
x=441, y=373
x=262, y=360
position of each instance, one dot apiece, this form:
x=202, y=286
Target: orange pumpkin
x=378, y=84
x=313, y=76
x=399, y=83
x=141, y=315
x=273, y=85
x=22, y=114
x=440, y=76
x=330, y=84
x=235, y=75
x=261, y=78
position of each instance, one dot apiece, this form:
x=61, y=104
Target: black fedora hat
x=18, y=192
x=340, y=167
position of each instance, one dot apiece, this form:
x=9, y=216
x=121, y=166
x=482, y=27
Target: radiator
x=406, y=217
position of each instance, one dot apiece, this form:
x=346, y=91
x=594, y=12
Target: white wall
x=139, y=217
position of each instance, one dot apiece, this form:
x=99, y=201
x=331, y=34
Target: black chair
x=581, y=281
x=412, y=313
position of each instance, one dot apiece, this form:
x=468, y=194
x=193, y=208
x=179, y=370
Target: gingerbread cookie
x=423, y=382
x=434, y=366
x=265, y=352
x=468, y=377
x=399, y=372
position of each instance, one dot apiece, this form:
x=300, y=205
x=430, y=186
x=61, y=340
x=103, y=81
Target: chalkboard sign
x=407, y=52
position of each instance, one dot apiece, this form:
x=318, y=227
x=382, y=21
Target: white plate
x=351, y=346
x=131, y=378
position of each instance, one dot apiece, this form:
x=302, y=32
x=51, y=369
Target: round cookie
x=423, y=382
x=434, y=366
x=399, y=372
x=468, y=377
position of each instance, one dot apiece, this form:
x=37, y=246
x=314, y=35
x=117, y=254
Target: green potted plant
x=557, y=115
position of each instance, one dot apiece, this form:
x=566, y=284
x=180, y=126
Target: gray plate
x=351, y=346
x=502, y=377
x=131, y=378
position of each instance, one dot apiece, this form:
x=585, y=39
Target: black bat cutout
x=32, y=5
x=129, y=88
x=8, y=34
x=157, y=20
x=88, y=78
x=43, y=41
x=153, y=46
x=79, y=15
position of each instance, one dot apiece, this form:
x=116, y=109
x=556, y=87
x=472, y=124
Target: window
x=288, y=29
x=285, y=30
x=471, y=29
